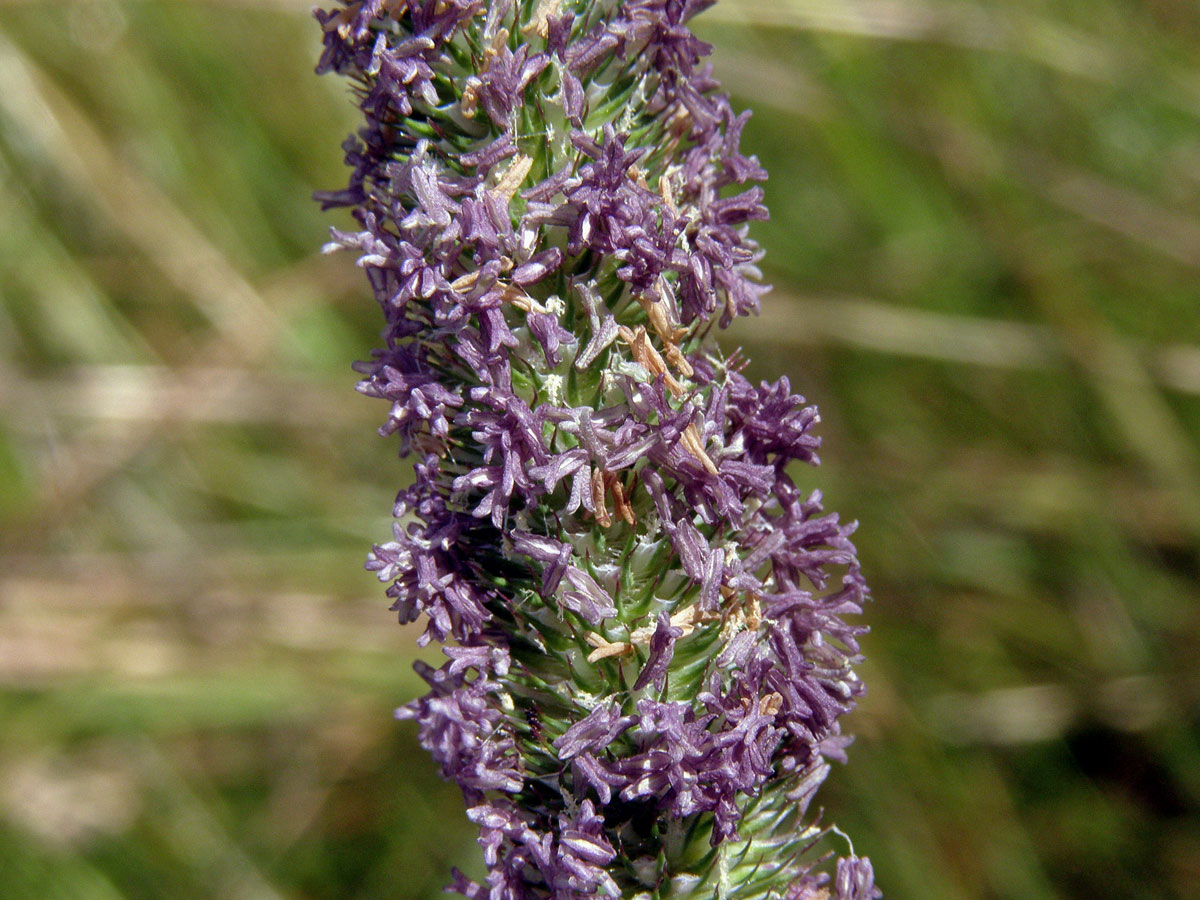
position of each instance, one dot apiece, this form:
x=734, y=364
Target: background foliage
x=985, y=241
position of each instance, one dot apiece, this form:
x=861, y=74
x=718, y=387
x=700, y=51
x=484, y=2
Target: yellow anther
x=664, y=188
x=465, y=282
x=770, y=704
x=513, y=177
x=668, y=333
x=605, y=648
x=539, y=24
x=645, y=354
x=695, y=446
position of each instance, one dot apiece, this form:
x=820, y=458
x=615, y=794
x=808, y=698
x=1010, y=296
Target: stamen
x=464, y=282
x=613, y=483
x=495, y=47
x=340, y=22
x=606, y=648
x=748, y=610
x=470, y=98
x=513, y=177
x=689, y=617
x=510, y=293
x=539, y=24
x=638, y=174
x=753, y=611
x=664, y=189
x=645, y=354
x=692, y=443
x=600, y=509
x=770, y=704
x=656, y=312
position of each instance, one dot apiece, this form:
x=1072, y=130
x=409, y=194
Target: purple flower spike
x=648, y=628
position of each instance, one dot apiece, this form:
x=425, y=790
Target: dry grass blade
x=196, y=835
x=135, y=626
x=969, y=26
x=137, y=210
x=877, y=326
x=1152, y=430
x=1039, y=712
x=965, y=25
x=1118, y=209
x=1006, y=29
x=162, y=395
x=131, y=205
x=884, y=328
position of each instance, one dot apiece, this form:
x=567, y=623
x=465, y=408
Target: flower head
x=644, y=618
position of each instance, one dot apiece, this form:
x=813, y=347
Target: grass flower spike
x=644, y=618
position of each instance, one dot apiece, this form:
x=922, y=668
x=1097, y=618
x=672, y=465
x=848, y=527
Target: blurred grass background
x=985, y=240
